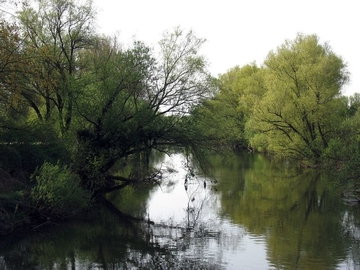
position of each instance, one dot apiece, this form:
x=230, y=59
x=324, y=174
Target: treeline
x=75, y=104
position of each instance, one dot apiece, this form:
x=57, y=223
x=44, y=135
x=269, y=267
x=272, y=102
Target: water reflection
x=296, y=212
x=261, y=214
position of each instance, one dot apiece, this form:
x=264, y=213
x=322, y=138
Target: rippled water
x=252, y=213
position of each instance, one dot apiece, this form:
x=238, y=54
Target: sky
x=239, y=32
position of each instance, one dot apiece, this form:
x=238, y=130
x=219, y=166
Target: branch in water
x=120, y=214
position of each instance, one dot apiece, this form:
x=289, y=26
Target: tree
x=11, y=61
x=343, y=152
x=138, y=102
x=225, y=115
x=55, y=33
x=240, y=89
x=181, y=80
x=297, y=114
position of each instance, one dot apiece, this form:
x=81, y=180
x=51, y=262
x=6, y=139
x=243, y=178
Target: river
x=251, y=213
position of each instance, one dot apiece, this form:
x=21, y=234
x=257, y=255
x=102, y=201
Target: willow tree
x=297, y=115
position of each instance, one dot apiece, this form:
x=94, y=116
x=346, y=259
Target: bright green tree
x=297, y=115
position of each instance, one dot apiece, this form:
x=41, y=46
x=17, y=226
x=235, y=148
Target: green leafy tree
x=240, y=89
x=12, y=61
x=224, y=116
x=55, y=33
x=343, y=152
x=297, y=115
x=139, y=101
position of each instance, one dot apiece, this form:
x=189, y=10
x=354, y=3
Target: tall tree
x=139, y=101
x=181, y=79
x=296, y=115
x=55, y=32
x=12, y=62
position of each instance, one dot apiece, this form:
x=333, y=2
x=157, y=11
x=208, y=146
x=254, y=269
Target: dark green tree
x=138, y=102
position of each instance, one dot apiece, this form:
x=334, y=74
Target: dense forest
x=76, y=105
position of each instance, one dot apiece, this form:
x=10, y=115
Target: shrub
x=57, y=191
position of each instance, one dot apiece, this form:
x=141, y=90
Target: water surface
x=252, y=213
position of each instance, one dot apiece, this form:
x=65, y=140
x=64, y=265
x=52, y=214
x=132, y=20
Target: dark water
x=261, y=214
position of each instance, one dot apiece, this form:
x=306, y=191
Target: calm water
x=260, y=214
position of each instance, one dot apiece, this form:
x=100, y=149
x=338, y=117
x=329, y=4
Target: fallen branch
x=120, y=214
x=120, y=178
x=114, y=188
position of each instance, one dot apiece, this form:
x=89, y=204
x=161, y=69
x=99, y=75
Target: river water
x=251, y=213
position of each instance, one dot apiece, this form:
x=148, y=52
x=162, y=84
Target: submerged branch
x=114, y=188
x=121, y=178
x=155, y=177
x=120, y=214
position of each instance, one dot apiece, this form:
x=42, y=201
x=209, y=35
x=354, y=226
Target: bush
x=57, y=191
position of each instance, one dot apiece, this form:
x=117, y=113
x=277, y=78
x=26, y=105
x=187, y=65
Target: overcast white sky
x=239, y=32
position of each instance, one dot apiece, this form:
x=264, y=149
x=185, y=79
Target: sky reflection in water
x=261, y=214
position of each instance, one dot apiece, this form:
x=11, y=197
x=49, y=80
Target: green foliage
x=290, y=106
x=12, y=61
x=298, y=110
x=353, y=104
x=56, y=33
x=137, y=102
x=224, y=116
x=343, y=153
x=21, y=159
x=57, y=191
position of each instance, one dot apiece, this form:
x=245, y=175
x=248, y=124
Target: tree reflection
x=300, y=219
x=295, y=211
x=109, y=240
x=351, y=223
x=104, y=243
